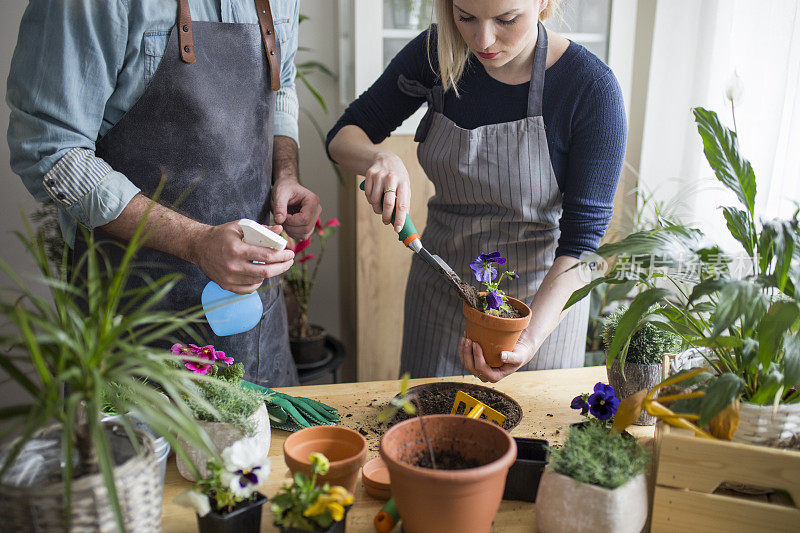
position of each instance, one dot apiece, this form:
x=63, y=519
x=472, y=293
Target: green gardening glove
x=292, y=413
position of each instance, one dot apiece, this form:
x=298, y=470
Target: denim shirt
x=79, y=65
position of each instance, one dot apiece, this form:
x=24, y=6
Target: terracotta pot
x=564, y=505
x=448, y=501
x=495, y=334
x=345, y=449
x=311, y=349
x=637, y=377
x=223, y=435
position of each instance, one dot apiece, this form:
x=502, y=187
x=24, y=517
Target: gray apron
x=495, y=190
x=205, y=124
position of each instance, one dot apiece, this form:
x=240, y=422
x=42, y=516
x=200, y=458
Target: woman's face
x=497, y=31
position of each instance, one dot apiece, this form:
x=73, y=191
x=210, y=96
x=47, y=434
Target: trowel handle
x=409, y=231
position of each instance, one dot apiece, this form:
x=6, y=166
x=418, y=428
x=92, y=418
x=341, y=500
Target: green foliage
x=92, y=335
x=226, y=401
x=593, y=455
x=648, y=344
x=750, y=323
x=401, y=401
x=304, y=505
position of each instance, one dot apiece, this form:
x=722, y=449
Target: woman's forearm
x=548, y=304
x=353, y=151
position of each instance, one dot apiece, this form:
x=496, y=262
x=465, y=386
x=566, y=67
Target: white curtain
x=697, y=45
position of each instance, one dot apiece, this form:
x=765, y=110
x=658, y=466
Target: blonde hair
x=452, y=51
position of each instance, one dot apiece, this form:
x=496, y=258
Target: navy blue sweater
x=584, y=118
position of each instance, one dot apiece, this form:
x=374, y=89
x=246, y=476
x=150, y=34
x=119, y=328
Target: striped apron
x=495, y=190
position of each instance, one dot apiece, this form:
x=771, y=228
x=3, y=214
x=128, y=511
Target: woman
x=525, y=162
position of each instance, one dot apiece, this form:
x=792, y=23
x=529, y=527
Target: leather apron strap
x=264, y=13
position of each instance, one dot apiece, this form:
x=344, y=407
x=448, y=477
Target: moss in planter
x=234, y=403
x=595, y=456
x=648, y=343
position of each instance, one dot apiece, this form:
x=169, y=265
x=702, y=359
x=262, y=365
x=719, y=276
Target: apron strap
x=537, y=73
x=264, y=13
x=434, y=97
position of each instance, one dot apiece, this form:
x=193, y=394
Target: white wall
x=320, y=35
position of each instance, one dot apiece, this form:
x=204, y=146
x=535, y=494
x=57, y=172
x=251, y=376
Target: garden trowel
x=409, y=236
x=474, y=408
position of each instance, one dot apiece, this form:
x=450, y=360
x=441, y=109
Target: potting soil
x=446, y=460
x=437, y=402
x=472, y=297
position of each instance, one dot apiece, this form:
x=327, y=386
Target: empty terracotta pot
x=345, y=449
x=448, y=501
x=495, y=334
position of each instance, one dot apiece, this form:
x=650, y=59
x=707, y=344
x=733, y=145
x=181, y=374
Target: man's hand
x=225, y=258
x=295, y=207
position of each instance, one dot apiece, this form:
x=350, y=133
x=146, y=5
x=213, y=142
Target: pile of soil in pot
x=446, y=460
x=437, y=399
x=471, y=295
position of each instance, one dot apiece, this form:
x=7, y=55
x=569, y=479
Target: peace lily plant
x=747, y=324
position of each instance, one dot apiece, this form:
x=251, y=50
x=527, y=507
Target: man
x=109, y=98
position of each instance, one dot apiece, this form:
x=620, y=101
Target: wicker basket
x=39, y=506
x=758, y=424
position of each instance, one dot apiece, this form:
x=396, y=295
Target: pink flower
x=206, y=352
x=333, y=223
x=298, y=247
x=179, y=349
x=306, y=258
x=220, y=356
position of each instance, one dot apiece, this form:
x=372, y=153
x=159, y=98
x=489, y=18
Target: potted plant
x=228, y=412
x=227, y=499
x=494, y=319
x=640, y=365
x=303, y=505
x=746, y=319
x=601, y=471
x=85, y=345
x=447, y=472
x=307, y=341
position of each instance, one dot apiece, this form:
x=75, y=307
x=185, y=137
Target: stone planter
x=564, y=505
x=637, y=377
x=223, y=435
x=759, y=424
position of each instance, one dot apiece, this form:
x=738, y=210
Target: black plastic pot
x=243, y=520
x=309, y=350
x=522, y=481
x=336, y=527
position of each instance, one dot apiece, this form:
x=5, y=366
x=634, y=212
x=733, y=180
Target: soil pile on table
x=437, y=399
x=473, y=298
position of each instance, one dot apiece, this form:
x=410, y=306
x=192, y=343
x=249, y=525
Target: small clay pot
x=448, y=501
x=495, y=334
x=311, y=349
x=345, y=449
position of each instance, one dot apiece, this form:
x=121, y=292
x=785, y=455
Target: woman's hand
x=387, y=177
x=472, y=358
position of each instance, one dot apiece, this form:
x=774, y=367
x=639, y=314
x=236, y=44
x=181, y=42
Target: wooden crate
x=689, y=469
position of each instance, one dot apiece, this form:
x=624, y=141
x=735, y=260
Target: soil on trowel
x=471, y=295
x=446, y=460
x=435, y=402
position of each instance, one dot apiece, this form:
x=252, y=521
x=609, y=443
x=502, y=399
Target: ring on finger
x=389, y=189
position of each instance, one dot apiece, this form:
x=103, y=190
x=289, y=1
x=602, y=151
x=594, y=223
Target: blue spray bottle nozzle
x=229, y=313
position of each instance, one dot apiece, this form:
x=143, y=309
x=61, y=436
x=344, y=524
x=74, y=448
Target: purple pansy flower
x=578, y=402
x=483, y=266
x=493, y=300
x=603, y=403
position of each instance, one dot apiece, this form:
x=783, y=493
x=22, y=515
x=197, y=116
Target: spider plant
x=93, y=339
x=747, y=321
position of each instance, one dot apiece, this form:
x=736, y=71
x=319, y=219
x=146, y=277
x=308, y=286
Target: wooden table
x=544, y=396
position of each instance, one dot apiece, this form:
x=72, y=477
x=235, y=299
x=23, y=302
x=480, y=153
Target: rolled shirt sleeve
x=287, y=108
x=62, y=73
